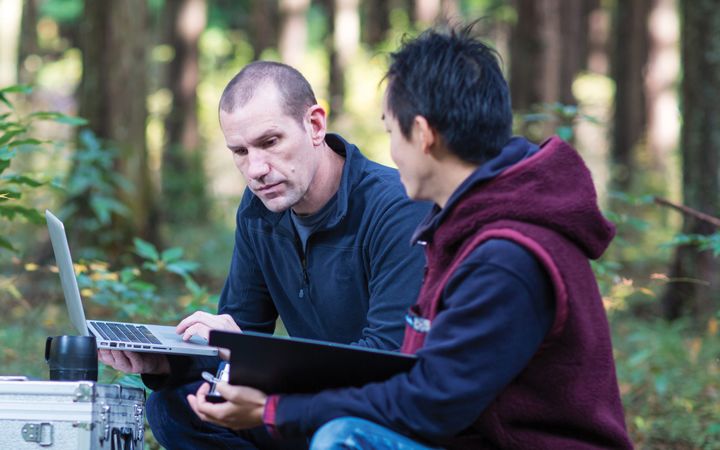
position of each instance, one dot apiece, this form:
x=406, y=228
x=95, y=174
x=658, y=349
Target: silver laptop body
x=114, y=335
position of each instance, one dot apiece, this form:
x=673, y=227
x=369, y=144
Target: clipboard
x=276, y=364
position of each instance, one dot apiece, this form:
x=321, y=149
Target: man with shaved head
x=322, y=241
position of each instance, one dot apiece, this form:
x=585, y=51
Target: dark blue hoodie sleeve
x=395, y=274
x=498, y=308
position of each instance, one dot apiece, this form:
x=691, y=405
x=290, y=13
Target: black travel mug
x=72, y=358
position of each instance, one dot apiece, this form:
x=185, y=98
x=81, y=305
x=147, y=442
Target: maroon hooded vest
x=567, y=396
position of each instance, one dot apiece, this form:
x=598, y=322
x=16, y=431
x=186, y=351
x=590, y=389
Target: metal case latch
x=104, y=421
x=85, y=392
x=139, y=422
x=42, y=433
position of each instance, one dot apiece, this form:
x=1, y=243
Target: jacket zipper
x=303, y=261
x=306, y=280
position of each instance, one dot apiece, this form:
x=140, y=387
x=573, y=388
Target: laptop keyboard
x=125, y=332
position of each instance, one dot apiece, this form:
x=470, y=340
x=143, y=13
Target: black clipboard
x=276, y=364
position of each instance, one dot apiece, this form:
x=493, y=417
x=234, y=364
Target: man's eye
x=270, y=142
x=240, y=151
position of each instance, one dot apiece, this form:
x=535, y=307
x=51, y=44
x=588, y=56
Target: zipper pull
x=301, y=294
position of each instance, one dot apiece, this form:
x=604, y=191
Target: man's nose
x=257, y=165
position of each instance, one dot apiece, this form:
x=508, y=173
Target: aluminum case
x=72, y=415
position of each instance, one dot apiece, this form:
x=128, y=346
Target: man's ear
x=423, y=134
x=317, y=118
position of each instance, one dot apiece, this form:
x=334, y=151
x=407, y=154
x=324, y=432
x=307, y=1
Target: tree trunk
x=694, y=285
x=549, y=47
x=630, y=23
x=377, y=21
x=28, y=40
x=293, y=30
x=598, y=38
x=336, y=74
x=183, y=172
x=264, y=21
x=526, y=51
x=572, y=44
x=112, y=98
x=345, y=33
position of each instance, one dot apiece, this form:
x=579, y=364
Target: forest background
x=108, y=117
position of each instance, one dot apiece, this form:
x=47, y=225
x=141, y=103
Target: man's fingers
x=193, y=402
x=134, y=362
x=205, y=410
x=198, y=329
x=204, y=389
x=104, y=357
x=124, y=359
x=227, y=392
x=244, y=393
x=224, y=354
x=118, y=360
x=242, y=410
x=137, y=362
x=211, y=321
x=192, y=319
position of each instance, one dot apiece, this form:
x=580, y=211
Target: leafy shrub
x=131, y=292
x=669, y=376
x=91, y=190
x=14, y=138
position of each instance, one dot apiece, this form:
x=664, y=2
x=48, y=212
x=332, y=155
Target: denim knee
x=360, y=434
x=337, y=434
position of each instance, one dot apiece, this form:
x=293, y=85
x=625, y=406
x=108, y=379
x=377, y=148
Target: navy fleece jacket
x=353, y=282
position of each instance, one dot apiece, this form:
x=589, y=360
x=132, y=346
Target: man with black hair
x=512, y=340
x=322, y=240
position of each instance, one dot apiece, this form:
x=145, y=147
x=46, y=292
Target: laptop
x=276, y=364
x=115, y=335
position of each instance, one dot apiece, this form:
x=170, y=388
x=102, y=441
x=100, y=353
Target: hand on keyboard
x=200, y=323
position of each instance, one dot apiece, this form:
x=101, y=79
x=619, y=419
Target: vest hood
x=551, y=188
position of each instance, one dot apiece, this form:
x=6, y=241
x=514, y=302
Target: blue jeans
x=176, y=427
x=351, y=433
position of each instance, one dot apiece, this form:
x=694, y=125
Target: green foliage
x=229, y=14
x=668, y=372
x=562, y=116
x=670, y=378
x=627, y=216
x=91, y=189
x=131, y=292
x=702, y=241
x=62, y=10
x=94, y=177
x=14, y=139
